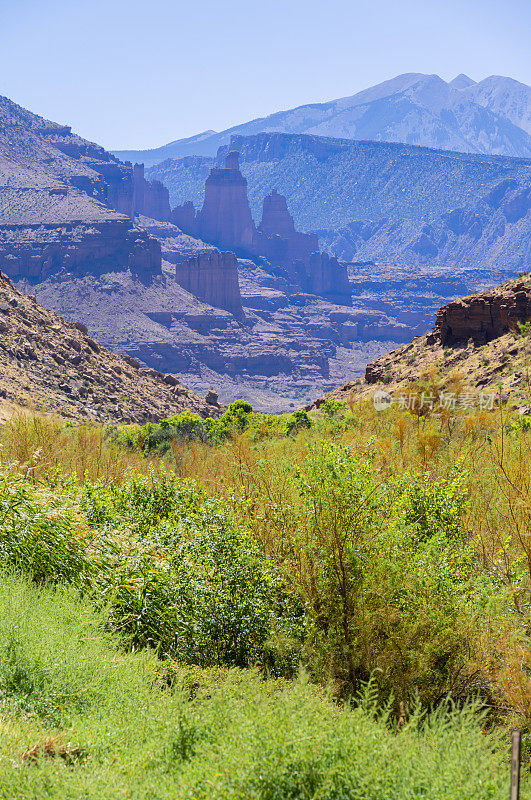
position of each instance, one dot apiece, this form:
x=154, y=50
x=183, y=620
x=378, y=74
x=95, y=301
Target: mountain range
x=492, y=116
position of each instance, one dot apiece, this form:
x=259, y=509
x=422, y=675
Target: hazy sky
x=139, y=73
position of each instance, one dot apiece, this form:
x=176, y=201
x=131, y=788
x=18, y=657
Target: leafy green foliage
x=37, y=534
x=387, y=576
x=188, y=580
x=212, y=734
x=297, y=422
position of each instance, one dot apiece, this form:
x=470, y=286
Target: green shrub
x=330, y=407
x=387, y=576
x=297, y=422
x=213, y=600
x=140, y=502
x=187, y=580
x=38, y=535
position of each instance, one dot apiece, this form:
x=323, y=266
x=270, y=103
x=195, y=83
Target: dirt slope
x=52, y=365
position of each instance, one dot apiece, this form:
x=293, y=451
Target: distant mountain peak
x=492, y=116
x=461, y=81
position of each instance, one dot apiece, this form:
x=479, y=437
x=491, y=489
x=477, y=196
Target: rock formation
x=379, y=201
x=280, y=243
x=36, y=252
x=212, y=276
x=277, y=221
x=484, y=317
x=150, y=198
x=184, y=217
x=225, y=219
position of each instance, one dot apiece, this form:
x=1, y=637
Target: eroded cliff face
x=36, y=252
x=225, y=218
x=212, y=276
x=484, y=317
x=280, y=243
x=67, y=204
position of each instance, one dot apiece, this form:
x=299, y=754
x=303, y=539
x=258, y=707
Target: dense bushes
x=386, y=573
x=361, y=574
x=356, y=544
x=193, y=584
x=174, y=570
x=188, y=427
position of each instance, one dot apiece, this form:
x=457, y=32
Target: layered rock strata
x=484, y=317
x=67, y=204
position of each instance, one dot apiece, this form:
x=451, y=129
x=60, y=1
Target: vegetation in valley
x=333, y=604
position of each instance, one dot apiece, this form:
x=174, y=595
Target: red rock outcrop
x=327, y=276
x=225, y=219
x=484, y=317
x=280, y=243
x=277, y=221
x=37, y=252
x=212, y=276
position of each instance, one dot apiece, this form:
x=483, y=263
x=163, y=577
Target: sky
x=135, y=74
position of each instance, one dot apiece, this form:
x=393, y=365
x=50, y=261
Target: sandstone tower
x=225, y=218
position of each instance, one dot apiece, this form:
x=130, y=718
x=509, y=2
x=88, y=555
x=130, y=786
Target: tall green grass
x=140, y=728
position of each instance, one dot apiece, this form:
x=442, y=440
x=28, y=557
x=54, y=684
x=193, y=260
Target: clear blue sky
x=139, y=73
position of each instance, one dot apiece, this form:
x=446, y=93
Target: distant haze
x=133, y=75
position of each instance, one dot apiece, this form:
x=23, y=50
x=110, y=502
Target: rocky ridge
x=481, y=343
x=378, y=201
x=66, y=203
x=54, y=366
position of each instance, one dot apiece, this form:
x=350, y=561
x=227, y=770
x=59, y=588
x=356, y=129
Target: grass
x=138, y=728
x=180, y=576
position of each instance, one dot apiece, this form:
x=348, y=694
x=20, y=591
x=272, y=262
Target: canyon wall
x=68, y=205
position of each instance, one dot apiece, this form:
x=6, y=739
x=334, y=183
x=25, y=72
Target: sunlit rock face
x=212, y=276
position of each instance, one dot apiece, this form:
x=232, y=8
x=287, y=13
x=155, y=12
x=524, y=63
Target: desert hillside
x=480, y=347
x=52, y=365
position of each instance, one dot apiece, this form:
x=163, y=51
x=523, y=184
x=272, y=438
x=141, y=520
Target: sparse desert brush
x=44, y=448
